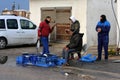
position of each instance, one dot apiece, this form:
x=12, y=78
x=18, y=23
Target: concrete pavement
x=77, y=71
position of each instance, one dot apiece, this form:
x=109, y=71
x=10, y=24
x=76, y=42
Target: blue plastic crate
x=40, y=60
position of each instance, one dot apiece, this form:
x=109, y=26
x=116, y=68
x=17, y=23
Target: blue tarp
x=88, y=58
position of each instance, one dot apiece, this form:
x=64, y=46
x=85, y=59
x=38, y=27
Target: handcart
x=38, y=59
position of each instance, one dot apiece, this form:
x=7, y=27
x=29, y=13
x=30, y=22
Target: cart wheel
x=3, y=43
x=3, y=59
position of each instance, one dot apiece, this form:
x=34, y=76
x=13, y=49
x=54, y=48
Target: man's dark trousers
x=103, y=41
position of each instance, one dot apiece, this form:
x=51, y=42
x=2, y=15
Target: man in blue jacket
x=103, y=28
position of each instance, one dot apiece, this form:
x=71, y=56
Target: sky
x=24, y=4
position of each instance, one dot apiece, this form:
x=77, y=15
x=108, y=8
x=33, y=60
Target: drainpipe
x=118, y=28
x=117, y=18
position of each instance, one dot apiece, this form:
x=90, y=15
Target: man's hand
x=99, y=30
x=66, y=48
x=67, y=31
x=53, y=26
x=38, y=37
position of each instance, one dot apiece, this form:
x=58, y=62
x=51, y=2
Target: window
x=25, y=24
x=12, y=24
x=2, y=24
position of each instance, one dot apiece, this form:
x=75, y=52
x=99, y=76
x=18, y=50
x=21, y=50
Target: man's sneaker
x=45, y=55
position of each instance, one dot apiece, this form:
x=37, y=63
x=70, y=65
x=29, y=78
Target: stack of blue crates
x=40, y=60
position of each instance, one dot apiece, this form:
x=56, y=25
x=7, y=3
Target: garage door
x=60, y=16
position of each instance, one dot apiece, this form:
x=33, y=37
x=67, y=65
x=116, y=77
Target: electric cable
x=116, y=22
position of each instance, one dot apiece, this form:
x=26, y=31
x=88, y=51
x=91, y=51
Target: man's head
x=48, y=19
x=102, y=18
x=72, y=19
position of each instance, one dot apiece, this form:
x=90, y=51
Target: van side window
x=12, y=24
x=2, y=24
x=25, y=24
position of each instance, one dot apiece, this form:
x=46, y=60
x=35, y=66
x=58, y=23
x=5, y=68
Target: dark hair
x=103, y=18
x=48, y=17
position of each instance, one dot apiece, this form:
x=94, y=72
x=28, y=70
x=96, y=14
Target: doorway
x=60, y=16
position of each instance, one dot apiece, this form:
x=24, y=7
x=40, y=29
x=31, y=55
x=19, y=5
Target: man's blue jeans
x=66, y=54
x=45, y=44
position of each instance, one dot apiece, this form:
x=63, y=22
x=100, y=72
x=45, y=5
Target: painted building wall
x=94, y=9
x=78, y=10
x=86, y=11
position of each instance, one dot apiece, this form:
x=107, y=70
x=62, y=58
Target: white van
x=16, y=30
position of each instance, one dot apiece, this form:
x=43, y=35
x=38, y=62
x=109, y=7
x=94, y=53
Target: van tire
x=3, y=59
x=3, y=43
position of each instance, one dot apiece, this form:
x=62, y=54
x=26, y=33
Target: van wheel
x=3, y=59
x=3, y=43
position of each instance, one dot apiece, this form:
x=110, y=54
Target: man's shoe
x=106, y=60
x=67, y=64
x=98, y=59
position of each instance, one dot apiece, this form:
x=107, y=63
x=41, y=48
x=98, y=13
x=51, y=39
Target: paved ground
x=77, y=71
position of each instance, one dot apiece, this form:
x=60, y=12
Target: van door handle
x=22, y=32
x=18, y=32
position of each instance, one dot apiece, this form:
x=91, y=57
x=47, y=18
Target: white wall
x=94, y=9
x=78, y=10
